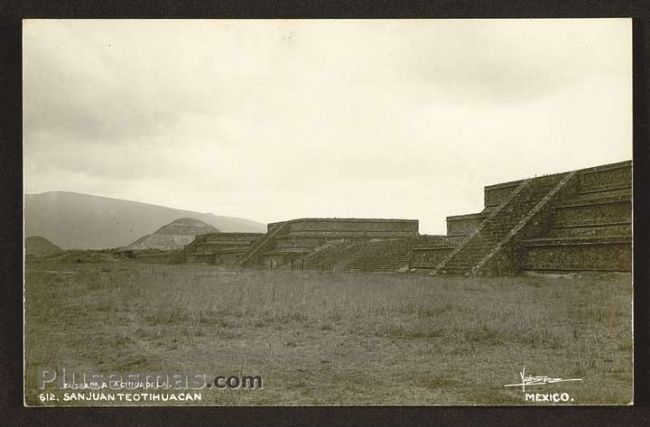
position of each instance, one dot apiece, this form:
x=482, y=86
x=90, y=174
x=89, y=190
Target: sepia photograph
x=327, y=212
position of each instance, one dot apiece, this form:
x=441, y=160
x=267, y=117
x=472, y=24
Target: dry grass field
x=334, y=338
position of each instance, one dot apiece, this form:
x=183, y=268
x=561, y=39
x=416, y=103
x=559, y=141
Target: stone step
x=494, y=229
x=624, y=194
x=582, y=240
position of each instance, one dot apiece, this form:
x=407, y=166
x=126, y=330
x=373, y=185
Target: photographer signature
x=537, y=380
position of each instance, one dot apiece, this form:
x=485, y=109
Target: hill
x=40, y=247
x=175, y=235
x=82, y=221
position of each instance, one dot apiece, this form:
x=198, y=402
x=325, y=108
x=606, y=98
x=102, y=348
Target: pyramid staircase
x=250, y=256
x=488, y=249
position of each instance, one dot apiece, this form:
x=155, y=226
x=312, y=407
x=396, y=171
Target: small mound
x=87, y=257
x=38, y=246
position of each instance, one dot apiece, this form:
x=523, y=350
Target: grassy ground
x=334, y=338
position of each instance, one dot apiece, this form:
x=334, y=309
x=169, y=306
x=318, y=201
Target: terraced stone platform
x=216, y=248
x=574, y=221
x=289, y=242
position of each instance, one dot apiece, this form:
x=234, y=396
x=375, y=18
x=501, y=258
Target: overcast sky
x=273, y=120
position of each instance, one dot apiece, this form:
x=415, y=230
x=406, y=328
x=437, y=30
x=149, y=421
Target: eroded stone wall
x=607, y=254
x=218, y=248
x=295, y=239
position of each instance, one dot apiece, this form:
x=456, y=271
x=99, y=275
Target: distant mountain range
x=82, y=221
